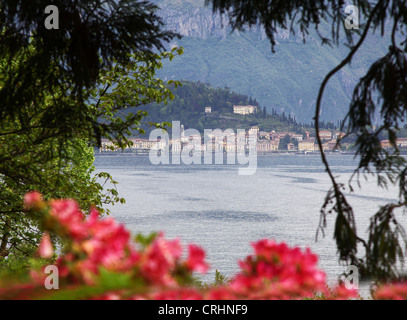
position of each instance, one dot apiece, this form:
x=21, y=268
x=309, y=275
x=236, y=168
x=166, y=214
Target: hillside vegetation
x=190, y=101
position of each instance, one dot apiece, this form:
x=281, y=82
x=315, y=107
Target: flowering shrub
x=276, y=271
x=395, y=291
x=100, y=261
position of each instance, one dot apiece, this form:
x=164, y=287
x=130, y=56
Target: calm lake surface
x=215, y=207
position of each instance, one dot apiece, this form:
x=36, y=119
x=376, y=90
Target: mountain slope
x=287, y=80
x=191, y=96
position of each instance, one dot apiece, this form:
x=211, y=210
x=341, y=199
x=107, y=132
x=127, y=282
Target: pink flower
x=45, y=249
x=32, y=200
x=221, y=293
x=196, y=259
x=160, y=259
x=340, y=292
x=67, y=213
x=277, y=271
x=394, y=291
x=178, y=294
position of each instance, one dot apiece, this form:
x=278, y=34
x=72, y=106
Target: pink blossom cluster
x=276, y=271
x=95, y=243
x=393, y=291
x=273, y=271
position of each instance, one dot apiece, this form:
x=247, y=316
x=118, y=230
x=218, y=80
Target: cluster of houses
x=270, y=141
x=137, y=145
x=229, y=141
x=401, y=144
x=242, y=110
x=266, y=142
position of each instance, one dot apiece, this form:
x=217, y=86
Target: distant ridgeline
x=199, y=106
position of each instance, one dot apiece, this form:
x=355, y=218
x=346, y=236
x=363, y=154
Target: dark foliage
x=91, y=35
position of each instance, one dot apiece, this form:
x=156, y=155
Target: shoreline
x=262, y=154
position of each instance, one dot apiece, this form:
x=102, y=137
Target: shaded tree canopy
x=383, y=90
x=91, y=35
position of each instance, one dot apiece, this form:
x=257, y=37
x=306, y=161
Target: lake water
x=222, y=211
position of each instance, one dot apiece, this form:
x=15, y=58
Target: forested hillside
x=190, y=101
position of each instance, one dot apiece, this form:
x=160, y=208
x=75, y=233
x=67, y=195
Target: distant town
x=266, y=142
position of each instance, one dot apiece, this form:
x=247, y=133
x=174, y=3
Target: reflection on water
x=211, y=205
